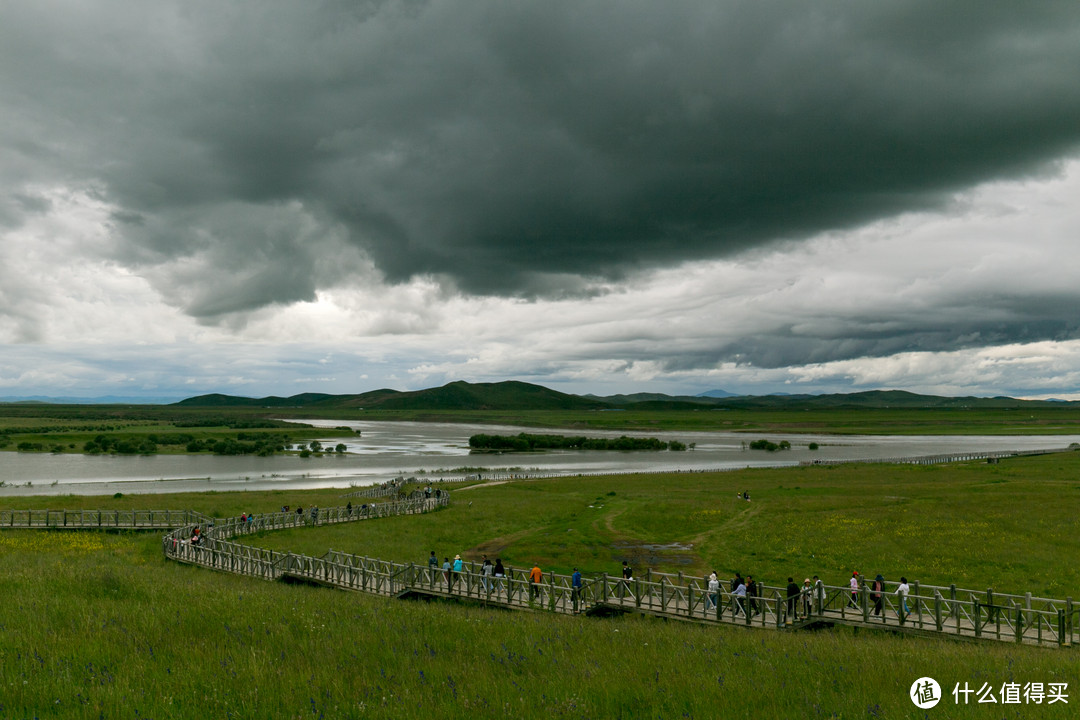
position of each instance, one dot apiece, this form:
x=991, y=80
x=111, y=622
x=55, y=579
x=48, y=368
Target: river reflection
x=387, y=449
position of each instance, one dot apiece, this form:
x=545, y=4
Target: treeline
x=244, y=444
x=46, y=429
x=524, y=442
x=236, y=423
x=769, y=445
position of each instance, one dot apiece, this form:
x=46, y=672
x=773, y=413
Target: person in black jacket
x=792, y=601
x=877, y=594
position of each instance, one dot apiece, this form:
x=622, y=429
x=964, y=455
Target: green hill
x=218, y=400
x=513, y=395
x=872, y=399
x=509, y=395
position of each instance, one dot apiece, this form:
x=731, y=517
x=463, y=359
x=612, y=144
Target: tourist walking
x=433, y=564
x=500, y=573
x=853, y=584
x=738, y=598
x=877, y=594
x=819, y=594
x=535, y=578
x=446, y=572
x=486, y=571
x=714, y=591
x=458, y=566
x=575, y=589
x=735, y=583
x=807, y=599
x=792, y=601
x=627, y=576
x=752, y=594
x=902, y=593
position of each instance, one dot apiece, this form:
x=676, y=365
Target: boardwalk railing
x=97, y=519
x=954, y=613
x=927, y=609
x=991, y=456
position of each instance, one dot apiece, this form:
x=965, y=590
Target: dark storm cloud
x=519, y=148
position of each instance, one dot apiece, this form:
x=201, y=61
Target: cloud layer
x=541, y=190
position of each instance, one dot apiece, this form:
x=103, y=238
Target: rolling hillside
x=512, y=395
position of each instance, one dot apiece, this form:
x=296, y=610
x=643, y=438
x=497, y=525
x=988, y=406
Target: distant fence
x=992, y=456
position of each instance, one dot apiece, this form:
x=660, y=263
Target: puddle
x=654, y=553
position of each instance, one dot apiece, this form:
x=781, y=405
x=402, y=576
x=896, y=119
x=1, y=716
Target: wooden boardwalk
x=931, y=610
x=989, y=456
x=100, y=519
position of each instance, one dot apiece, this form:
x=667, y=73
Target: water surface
x=387, y=449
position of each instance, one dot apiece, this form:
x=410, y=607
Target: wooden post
x=603, y=588
x=689, y=599
x=779, y=615
x=937, y=610
x=1019, y=624
x=1061, y=628
x=551, y=592
x=1069, y=617
x=663, y=596
x=915, y=606
x=978, y=617
x=637, y=592
x=864, y=601
x=952, y=605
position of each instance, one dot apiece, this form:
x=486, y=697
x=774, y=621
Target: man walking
x=535, y=578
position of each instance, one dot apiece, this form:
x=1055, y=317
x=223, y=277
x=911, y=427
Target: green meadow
x=172, y=429
x=101, y=625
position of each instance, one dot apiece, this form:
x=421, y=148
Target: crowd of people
x=745, y=594
x=801, y=600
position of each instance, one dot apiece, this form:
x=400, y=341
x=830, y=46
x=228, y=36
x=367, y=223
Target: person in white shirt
x=714, y=591
x=902, y=591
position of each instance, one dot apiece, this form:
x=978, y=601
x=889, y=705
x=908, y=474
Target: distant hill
x=99, y=400
x=871, y=399
x=218, y=400
x=716, y=394
x=638, y=398
x=512, y=395
x=509, y=395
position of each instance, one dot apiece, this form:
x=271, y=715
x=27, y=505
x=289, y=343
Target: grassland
x=79, y=429
x=1062, y=420
x=1009, y=525
x=68, y=428
x=100, y=625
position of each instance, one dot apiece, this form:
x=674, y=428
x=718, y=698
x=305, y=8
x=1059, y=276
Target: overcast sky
x=275, y=197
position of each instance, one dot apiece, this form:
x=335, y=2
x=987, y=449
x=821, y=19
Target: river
x=388, y=449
